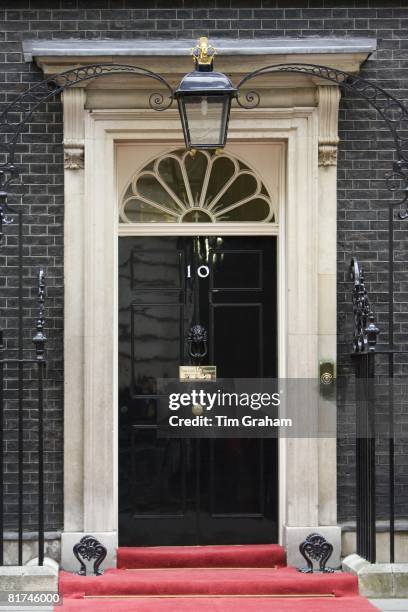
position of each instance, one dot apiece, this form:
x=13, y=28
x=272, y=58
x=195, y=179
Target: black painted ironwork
x=365, y=457
x=87, y=549
x=391, y=110
x=316, y=548
x=364, y=345
x=40, y=338
x=25, y=105
x=39, y=341
x=19, y=112
x=8, y=367
x=365, y=423
x=365, y=354
x=365, y=329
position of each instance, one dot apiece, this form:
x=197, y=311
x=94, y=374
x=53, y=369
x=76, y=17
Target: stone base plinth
x=378, y=580
x=294, y=536
x=109, y=539
x=29, y=578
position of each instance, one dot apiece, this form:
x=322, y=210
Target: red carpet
x=257, y=581
x=210, y=578
x=259, y=555
x=208, y=604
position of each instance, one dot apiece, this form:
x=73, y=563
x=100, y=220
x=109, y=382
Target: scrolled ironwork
x=40, y=338
x=397, y=182
x=157, y=103
x=390, y=109
x=316, y=548
x=365, y=329
x=16, y=114
x=89, y=548
x=249, y=99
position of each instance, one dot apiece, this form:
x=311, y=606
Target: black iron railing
x=22, y=425
x=378, y=391
x=364, y=342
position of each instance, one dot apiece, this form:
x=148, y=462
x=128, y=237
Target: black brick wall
x=364, y=155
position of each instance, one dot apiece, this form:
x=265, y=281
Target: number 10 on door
x=202, y=271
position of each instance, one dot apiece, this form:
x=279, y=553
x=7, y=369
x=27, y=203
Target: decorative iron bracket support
x=316, y=548
x=390, y=109
x=89, y=548
x=26, y=104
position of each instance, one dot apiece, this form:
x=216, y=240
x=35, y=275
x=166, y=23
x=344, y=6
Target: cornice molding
x=172, y=58
x=179, y=47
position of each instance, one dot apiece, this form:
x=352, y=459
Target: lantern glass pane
x=206, y=119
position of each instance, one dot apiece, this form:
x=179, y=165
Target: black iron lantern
x=204, y=101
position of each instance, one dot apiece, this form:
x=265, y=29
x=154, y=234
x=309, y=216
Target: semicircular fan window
x=204, y=187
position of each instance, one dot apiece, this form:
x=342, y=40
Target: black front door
x=201, y=491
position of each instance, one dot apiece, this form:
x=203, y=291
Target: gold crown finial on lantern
x=203, y=53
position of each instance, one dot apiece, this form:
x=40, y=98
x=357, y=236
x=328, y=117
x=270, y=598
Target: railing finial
x=365, y=329
x=40, y=338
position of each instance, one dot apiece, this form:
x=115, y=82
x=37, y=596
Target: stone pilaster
x=74, y=132
x=328, y=97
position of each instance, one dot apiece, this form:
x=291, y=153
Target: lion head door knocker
x=89, y=548
x=197, y=343
x=316, y=548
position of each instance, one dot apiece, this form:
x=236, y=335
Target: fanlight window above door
x=205, y=187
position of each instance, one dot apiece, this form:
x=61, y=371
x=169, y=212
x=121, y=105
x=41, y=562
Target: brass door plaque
x=205, y=372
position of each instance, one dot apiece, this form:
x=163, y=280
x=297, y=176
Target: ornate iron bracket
x=28, y=101
x=90, y=548
x=316, y=548
x=390, y=109
x=25, y=105
x=197, y=342
x=365, y=329
x=40, y=338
